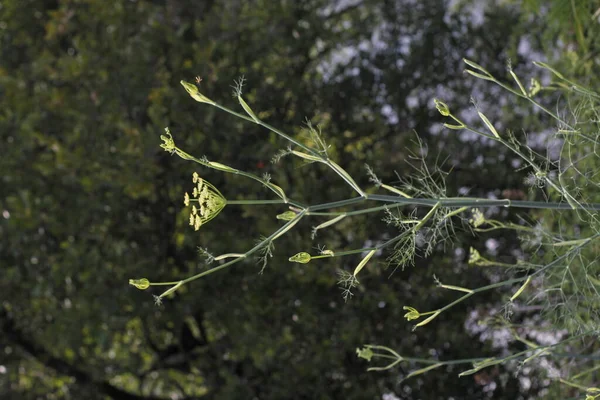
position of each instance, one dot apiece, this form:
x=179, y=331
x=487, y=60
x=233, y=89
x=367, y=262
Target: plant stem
x=253, y=250
x=256, y=202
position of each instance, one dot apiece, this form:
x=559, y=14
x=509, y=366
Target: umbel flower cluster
x=206, y=201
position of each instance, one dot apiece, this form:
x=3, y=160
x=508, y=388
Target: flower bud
x=411, y=314
x=287, y=216
x=534, y=87
x=442, y=107
x=168, y=142
x=210, y=202
x=474, y=256
x=365, y=353
x=302, y=258
x=195, y=93
x=141, y=284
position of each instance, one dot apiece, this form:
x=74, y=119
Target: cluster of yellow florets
x=209, y=201
x=477, y=219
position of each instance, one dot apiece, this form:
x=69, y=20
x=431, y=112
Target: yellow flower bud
x=141, y=284
x=474, y=256
x=301, y=258
x=168, y=142
x=442, y=107
x=411, y=314
x=287, y=216
x=365, y=353
x=477, y=219
x=195, y=93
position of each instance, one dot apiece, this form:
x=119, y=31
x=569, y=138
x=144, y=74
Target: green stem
x=335, y=204
x=572, y=204
x=568, y=253
x=345, y=176
x=517, y=280
x=426, y=218
x=334, y=166
x=357, y=212
x=253, y=250
x=400, y=201
x=257, y=202
x=269, y=127
x=499, y=225
x=535, y=103
x=456, y=212
x=275, y=189
x=539, y=349
x=163, y=283
x=418, y=226
x=479, y=202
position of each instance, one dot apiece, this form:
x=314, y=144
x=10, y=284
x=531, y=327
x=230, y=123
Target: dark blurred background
x=88, y=199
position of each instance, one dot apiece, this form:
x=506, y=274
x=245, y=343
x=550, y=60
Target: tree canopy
x=89, y=200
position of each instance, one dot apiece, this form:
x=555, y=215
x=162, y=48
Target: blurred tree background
x=89, y=200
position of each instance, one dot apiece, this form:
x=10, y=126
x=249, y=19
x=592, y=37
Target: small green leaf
x=478, y=75
x=476, y=66
x=364, y=262
x=549, y=68
x=487, y=123
x=248, y=110
x=306, y=156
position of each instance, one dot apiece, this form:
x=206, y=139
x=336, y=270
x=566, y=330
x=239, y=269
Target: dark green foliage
x=89, y=200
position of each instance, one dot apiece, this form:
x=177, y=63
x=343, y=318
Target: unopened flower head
x=477, y=219
x=365, y=353
x=209, y=201
x=141, y=284
x=287, y=216
x=168, y=142
x=195, y=93
x=411, y=314
x=302, y=258
x=534, y=87
x=442, y=107
x=474, y=256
